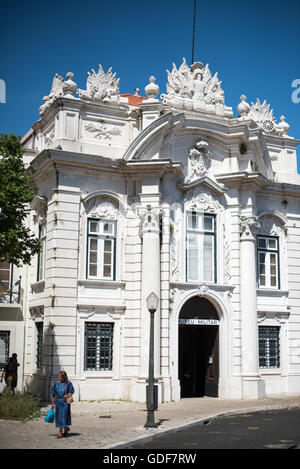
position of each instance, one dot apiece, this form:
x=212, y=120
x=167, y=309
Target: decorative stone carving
x=59, y=88
x=243, y=108
x=202, y=201
x=69, y=87
x=283, y=127
x=152, y=89
x=101, y=86
x=227, y=257
x=202, y=289
x=249, y=224
x=270, y=226
x=150, y=219
x=39, y=205
x=199, y=161
x=280, y=317
x=101, y=131
x=174, y=292
x=49, y=138
x=263, y=116
x=193, y=88
x=175, y=241
x=102, y=207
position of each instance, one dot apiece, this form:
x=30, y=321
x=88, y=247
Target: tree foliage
x=17, y=243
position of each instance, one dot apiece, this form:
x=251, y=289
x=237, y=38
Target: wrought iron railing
x=10, y=295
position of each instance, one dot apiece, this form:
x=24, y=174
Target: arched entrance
x=198, y=348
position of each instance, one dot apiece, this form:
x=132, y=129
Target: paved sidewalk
x=113, y=424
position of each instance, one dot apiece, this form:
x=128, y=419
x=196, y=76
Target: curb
x=203, y=421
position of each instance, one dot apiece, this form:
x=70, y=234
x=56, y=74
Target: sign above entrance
x=199, y=322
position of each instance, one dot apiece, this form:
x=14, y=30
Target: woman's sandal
x=67, y=429
x=59, y=435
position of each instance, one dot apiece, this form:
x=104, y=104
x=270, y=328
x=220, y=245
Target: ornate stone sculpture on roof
x=263, y=116
x=195, y=89
x=59, y=88
x=101, y=86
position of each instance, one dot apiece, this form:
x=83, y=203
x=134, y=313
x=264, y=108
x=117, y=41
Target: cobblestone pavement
x=108, y=424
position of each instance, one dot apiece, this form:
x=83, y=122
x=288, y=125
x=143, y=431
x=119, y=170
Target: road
x=278, y=429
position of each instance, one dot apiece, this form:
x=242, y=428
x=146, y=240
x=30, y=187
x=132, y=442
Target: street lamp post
x=152, y=304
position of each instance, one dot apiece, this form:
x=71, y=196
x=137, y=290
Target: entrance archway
x=198, y=348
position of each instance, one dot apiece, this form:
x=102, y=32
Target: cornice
x=51, y=160
x=243, y=180
x=205, y=180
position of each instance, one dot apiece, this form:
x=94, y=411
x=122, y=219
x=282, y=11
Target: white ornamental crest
x=262, y=115
x=194, y=88
x=100, y=86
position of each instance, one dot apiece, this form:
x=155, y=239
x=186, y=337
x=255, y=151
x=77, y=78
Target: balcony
x=10, y=294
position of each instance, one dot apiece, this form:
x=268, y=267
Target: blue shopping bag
x=50, y=416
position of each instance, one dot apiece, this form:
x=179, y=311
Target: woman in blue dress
x=61, y=389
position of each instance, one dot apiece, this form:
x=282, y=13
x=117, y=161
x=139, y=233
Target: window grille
x=39, y=344
x=269, y=347
x=98, y=346
x=4, y=348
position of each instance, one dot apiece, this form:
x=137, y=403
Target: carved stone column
x=252, y=383
x=150, y=231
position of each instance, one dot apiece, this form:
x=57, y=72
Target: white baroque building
x=175, y=196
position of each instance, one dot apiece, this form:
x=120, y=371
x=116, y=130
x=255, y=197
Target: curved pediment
x=203, y=146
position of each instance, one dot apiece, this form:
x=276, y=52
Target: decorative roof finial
x=243, y=107
x=69, y=86
x=283, y=127
x=152, y=89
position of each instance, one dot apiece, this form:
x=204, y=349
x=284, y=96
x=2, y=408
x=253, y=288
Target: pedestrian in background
x=10, y=373
x=61, y=390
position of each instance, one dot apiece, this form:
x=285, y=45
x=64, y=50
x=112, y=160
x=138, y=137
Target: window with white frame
x=268, y=261
x=98, y=346
x=101, y=249
x=269, y=346
x=201, y=247
x=42, y=253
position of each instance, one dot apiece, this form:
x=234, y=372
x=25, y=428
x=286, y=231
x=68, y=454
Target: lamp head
x=152, y=302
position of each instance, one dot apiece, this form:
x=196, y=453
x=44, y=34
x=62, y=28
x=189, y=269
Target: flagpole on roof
x=193, y=44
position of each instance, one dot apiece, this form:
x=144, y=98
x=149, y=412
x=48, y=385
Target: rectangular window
x=39, y=344
x=268, y=262
x=101, y=249
x=42, y=253
x=201, y=247
x=98, y=346
x=269, y=349
x=4, y=348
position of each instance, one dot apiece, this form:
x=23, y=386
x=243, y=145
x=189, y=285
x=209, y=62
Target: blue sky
x=254, y=46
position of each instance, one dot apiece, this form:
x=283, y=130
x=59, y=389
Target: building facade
x=174, y=196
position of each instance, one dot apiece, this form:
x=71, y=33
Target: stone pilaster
x=150, y=232
x=252, y=383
